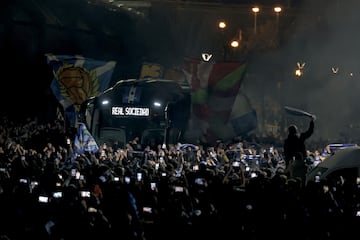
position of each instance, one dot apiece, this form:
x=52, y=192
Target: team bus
x=155, y=111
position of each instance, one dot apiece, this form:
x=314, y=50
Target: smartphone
x=91, y=209
x=85, y=194
x=43, y=199
x=102, y=178
x=200, y=181
x=358, y=180
x=179, y=189
x=23, y=180
x=33, y=184
x=57, y=194
x=139, y=176
x=147, y=209
x=127, y=180
x=236, y=164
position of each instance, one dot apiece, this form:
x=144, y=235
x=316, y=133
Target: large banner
x=220, y=111
x=76, y=79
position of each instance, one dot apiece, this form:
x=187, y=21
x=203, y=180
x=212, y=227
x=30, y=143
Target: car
x=343, y=163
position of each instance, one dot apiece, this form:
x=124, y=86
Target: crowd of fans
x=239, y=189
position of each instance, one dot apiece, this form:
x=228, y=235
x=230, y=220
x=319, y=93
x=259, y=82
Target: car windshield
x=112, y=136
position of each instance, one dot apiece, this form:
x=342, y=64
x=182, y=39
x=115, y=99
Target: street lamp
x=255, y=11
x=222, y=26
x=235, y=43
x=277, y=10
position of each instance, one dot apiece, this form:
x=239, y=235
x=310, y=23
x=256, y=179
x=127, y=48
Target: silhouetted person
x=295, y=149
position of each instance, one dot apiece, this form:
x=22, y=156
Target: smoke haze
x=326, y=40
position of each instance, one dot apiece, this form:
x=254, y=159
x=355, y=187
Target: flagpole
x=167, y=123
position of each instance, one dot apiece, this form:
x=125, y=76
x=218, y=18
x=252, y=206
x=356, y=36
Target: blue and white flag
x=77, y=79
x=84, y=141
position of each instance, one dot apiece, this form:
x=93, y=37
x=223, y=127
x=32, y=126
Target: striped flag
x=76, y=79
x=219, y=109
x=197, y=74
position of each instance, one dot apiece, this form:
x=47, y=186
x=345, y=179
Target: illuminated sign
x=130, y=111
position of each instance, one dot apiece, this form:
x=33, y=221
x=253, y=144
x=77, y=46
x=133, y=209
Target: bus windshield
x=155, y=111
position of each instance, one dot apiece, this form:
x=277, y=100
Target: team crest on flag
x=77, y=79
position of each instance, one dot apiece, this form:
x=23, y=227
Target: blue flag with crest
x=77, y=79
